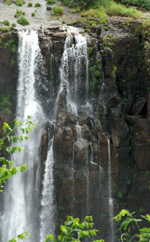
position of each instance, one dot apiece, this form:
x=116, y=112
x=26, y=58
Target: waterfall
x=110, y=199
x=21, y=196
x=47, y=202
x=28, y=205
x=74, y=65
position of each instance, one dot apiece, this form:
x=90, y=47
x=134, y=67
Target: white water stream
x=47, y=202
x=74, y=60
x=21, y=198
x=110, y=199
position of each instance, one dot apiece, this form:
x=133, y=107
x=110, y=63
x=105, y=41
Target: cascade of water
x=79, y=130
x=110, y=199
x=21, y=199
x=47, y=202
x=74, y=63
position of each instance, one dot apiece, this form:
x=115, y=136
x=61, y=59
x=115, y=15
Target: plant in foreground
x=20, y=236
x=130, y=228
x=7, y=168
x=74, y=230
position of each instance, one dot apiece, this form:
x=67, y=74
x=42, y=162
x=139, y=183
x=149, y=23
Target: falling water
x=47, y=202
x=21, y=198
x=74, y=61
x=110, y=199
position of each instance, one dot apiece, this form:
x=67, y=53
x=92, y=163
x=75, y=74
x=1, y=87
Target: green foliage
x=130, y=229
x=121, y=10
x=58, y=11
x=37, y=5
x=32, y=14
x=19, y=2
x=13, y=25
x=50, y=1
x=12, y=62
x=119, y=195
x=18, y=13
x=7, y=168
x=75, y=10
x=7, y=44
x=29, y=4
x=84, y=4
x=23, y=21
x=74, y=230
x=9, y=2
x=5, y=104
x=20, y=236
x=13, y=48
x=6, y=22
x=3, y=29
x=140, y=3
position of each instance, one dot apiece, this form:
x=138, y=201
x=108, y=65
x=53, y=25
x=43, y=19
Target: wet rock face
x=125, y=57
x=119, y=87
x=9, y=66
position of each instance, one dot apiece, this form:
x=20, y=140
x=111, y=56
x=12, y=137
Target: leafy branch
x=130, y=229
x=7, y=168
x=21, y=236
x=74, y=231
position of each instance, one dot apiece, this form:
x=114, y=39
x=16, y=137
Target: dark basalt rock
x=49, y=8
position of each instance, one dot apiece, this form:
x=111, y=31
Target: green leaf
x=28, y=233
x=21, y=236
x=126, y=222
x=147, y=217
x=50, y=238
x=6, y=127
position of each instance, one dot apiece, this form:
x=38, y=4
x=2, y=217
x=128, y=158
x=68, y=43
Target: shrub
x=32, y=14
x=139, y=3
x=29, y=4
x=75, y=10
x=121, y=10
x=6, y=22
x=74, y=230
x=63, y=21
x=2, y=29
x=58, y=11
x=23, y=21
x=9, y=2
x=13, y=25
x=18, y=13
x=50, y=1
x=19, y=2
x=37, y=5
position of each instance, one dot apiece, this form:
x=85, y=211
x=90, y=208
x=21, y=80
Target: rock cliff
x=119, y=70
